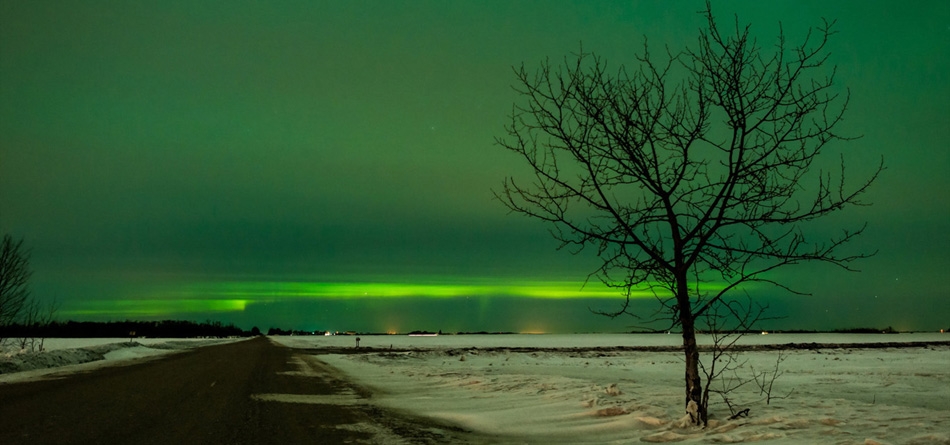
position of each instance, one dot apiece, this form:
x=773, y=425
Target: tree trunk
x=694, y=384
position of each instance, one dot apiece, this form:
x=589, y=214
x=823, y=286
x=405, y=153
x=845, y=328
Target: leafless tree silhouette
x=14, y=279
x=691, y=174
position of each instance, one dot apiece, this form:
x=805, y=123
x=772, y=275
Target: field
x=588, y=389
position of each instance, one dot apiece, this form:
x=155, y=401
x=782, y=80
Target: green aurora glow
x=330, y=164
x=529, y=289
x=234, y=296
x=485, y=301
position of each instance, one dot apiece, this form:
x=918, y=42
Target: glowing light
x=179, y=299
x=152, y=307
x=270, y=290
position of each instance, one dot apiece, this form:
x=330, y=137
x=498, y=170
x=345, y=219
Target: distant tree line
x=279, y=331
x=128, y=328
x=887, y=330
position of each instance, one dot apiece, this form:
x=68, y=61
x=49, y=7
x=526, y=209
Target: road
x=248, y=392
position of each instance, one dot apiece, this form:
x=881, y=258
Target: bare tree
x=14, y=279
x=691, y=174
x=33, y=322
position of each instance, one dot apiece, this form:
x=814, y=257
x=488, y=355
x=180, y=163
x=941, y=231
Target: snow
x=556, y=389
x=66, y=355
x=584, y=340
x=55, y=344
x=585, y=389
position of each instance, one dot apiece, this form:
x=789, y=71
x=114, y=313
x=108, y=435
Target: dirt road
x=249, y=392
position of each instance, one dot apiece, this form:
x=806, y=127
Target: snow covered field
x=836, y=396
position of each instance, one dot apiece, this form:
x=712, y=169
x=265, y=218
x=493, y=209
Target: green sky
x=264, y=162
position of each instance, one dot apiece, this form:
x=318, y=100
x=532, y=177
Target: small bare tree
x=725, y=369
x=726, y=321
x=34, y=321
x=691, y=174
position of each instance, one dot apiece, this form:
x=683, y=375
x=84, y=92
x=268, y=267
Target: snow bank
x=55, y=344
x=846, y=396
x=19, y=366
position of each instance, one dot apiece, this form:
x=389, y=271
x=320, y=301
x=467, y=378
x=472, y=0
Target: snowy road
x=245, y=392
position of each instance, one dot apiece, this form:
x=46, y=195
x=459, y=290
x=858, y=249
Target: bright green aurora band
x=323, y=303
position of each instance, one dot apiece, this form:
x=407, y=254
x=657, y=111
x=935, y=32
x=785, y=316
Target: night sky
x=330, y=165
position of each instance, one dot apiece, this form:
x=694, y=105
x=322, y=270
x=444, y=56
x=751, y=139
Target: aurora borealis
x=330, y=164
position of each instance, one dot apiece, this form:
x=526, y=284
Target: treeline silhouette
x=279, y=331
x=128, y=328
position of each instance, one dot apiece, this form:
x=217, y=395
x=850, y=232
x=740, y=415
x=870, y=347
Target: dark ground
x=205, y=395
